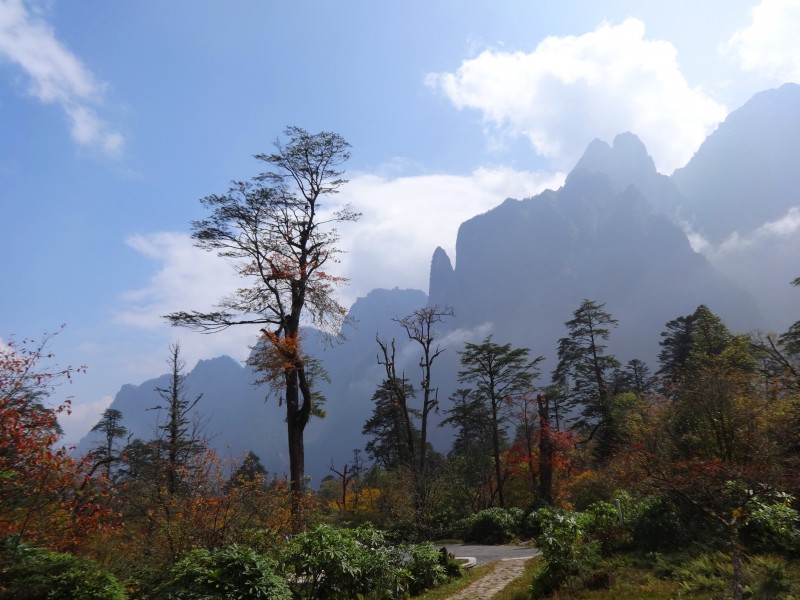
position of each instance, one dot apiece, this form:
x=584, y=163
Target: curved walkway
x=510, y=565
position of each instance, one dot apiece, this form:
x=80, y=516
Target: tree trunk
x=737, y=583
x=296, y=473
x=496, y=449
x=295, y=424
x=545, y=453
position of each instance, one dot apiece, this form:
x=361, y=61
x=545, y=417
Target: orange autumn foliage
x=47, y=497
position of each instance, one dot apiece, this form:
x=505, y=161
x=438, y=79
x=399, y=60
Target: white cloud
x=783, y=228
x=405, y=218
x=56, y=75
x=82, y=418
x=573, y=89
x=458, y=337
x=770, y=45
x=764, y=262
x=187, y=278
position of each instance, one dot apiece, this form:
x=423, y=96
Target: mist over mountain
x=617, y=232
x=743, y=175
x=742, y=193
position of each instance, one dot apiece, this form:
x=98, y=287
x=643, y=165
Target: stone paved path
x=506, y=571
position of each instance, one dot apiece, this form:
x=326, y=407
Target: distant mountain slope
x=742, y=194
x=240, y=417
x=745, y=174
x=232, y=408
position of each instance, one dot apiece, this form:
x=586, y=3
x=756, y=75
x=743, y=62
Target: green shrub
x=326, y=563
x=228, y=573
x=360, y=563
x=770, y=577
x=518, y=518
x=709, y=572
x=601, y=522
x=384, y=573
x=656, y=525
x=566, y=549
x=426, y=567
x=492, y=526
x=347, y=563
x=33, y=574
x=535, y=522
x=773, y=527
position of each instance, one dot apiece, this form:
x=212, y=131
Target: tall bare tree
x=419, y=327
x=179, y=435
x=280, y=238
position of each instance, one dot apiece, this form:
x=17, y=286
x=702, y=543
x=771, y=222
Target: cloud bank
x=405, y=218
x=572, y=89
x=56, y=76
x=770, y=45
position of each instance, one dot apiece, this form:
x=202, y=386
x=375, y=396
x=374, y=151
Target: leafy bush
x=771, y=577
x=425, y=567
x=656, y=525
x=590, y=487
x=327, y=563
x=360, y=563
x=33, y=574
x=385, y=574
x=535, y=522
x=765, y=577
x=566, y=549
x=601, y=522
x=773, y=527
x=706, y=573
x=492, y=526
x=345, y=563
x=228, y=573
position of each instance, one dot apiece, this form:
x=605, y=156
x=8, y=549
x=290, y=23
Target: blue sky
x=117, y=117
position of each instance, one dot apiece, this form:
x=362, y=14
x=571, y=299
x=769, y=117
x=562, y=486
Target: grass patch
x=657, y=577
x=456, y=585
x=626, y=583
x=520, y=588
x=651, y=577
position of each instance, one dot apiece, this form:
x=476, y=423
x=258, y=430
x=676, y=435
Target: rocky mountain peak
x=441, y=278
x=625, y=161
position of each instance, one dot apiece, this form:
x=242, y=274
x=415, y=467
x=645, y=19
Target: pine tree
x=586, y=371
x=390, y=446
x=180, y=434
x=110, y=425
x=498, y=373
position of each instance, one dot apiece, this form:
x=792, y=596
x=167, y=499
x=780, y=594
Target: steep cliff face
x=527, y=264
x=742, y=196
x=744, y=174
x=626, y=162
x=440, y=285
